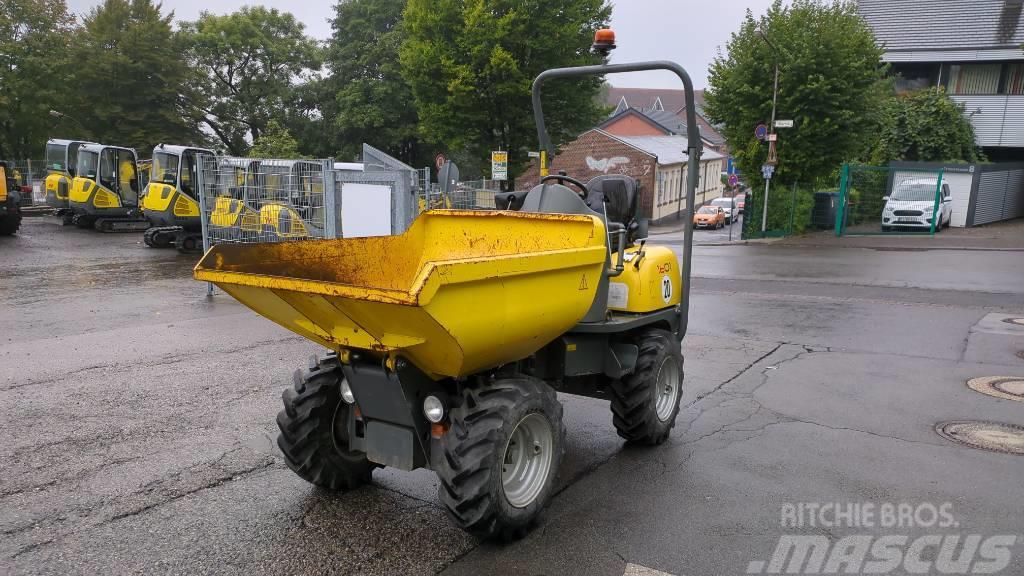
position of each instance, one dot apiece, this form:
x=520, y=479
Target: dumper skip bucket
x=459, y=292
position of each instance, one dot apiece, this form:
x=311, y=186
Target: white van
x=912, y=203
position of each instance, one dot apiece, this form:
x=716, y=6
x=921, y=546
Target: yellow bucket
x=457, y=293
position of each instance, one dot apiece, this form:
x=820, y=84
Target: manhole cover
x=1005, y=387
x=1017, y=321
x=991, y=436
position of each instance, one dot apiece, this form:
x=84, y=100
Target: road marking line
x=638, y=570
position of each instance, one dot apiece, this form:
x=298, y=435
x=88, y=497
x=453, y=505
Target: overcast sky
x=686, y=31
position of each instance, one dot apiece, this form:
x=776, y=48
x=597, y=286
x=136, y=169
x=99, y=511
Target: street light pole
x=771, y=130
x=771, y=143
x=63, y=116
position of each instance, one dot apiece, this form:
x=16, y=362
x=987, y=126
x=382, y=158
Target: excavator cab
x=171, y=199
x=61, y=167
x=105, y=190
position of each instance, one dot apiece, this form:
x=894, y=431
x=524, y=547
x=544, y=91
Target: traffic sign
x=499, y=165
x=534, y=154
x=761, y=131
x=439, y=160
x=783, y=123
x=773, y=137
x=733, y=180
x=767, y=170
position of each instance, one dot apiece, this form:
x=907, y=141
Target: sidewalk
x=1008, y=236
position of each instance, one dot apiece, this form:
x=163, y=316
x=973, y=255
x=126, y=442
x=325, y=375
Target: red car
x=741, y=201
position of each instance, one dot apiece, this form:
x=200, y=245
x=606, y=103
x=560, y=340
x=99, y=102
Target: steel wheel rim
x=526, y=463
x=667, y=391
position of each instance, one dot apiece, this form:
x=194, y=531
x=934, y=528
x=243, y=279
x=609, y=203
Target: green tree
x=369, y=99
x=252, y=61
x=33, y=66
x=831, y=84
x=275, y=142
x=129, y=72
x=925, y=125
x=471, y=64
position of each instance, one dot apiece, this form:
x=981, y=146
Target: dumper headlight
x=433, y=409
x=346, y=392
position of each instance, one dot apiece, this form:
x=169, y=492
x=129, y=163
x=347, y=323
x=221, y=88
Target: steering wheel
x=562, y=179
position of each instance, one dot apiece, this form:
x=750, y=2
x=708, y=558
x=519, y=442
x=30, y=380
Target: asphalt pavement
x=139, y=417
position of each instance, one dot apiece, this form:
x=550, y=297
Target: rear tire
x=314, y=431
x=9, y=224
x=645, y=403
x=501, y=457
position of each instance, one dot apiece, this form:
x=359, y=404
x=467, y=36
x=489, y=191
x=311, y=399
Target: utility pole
x=772, y=158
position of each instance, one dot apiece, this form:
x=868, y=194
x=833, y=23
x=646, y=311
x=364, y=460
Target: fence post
x=330, y=201
x=844, y=180
x=204, y=216
x=936, y=212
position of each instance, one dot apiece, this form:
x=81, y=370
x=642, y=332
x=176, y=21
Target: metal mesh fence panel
x=474, y=195
x=30, y=173
x=272, y=200
x=263, y=200
x=883, y=200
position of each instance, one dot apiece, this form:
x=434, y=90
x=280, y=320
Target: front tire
x=645, y=403
x=314, y=430
x=501, y=457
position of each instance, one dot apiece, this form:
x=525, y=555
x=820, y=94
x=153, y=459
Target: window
x=87, y=162
x=108, y=169
x=969, y=79
x=1015, y=78
x=55, y=157
x=165, y=168
x=128, y=177
x=188, y=173
x=73, y=157
x=915, y=76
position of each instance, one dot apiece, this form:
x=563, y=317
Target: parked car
x=741, y=201
x=912, y=205
x=729, y=205
x=709, y=217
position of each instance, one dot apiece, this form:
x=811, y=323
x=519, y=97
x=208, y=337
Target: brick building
x=661, y=106
x=657, y=162
x=635, y=122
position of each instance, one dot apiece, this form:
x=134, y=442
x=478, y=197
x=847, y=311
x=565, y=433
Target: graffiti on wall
x=605, y=164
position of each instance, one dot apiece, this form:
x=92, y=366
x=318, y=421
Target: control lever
x=640, y=254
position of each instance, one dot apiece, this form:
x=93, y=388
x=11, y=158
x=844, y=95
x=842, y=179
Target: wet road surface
x=139, y=418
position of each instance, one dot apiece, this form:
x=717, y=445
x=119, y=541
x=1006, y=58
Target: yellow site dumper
x=448, y=343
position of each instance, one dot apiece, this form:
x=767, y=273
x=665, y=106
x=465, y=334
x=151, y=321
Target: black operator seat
x=616, y=194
